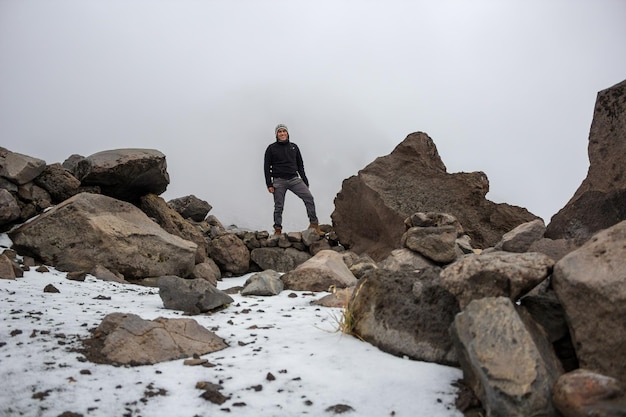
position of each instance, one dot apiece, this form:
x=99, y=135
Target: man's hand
x=270, y=189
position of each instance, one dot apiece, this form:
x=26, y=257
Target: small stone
x=76, y=276
x=102, y=297
x=51, y=288
x=214, y=396
x=206, y=385
x=339, y=408
x=195, y=362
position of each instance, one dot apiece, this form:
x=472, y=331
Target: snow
x=315, y=366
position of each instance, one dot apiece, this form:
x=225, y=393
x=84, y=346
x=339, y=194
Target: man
x=284, y=170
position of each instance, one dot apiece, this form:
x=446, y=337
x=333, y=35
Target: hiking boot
x=316, y=227
x=278, y=231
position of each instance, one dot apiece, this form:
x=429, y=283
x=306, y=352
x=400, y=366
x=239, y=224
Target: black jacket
x=283, y=160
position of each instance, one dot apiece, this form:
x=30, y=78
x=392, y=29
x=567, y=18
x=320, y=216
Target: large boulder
x=322, y=272
x=371, y=207
x=229, y=253
x=405, y=314
x=501, y=361
x=191, y=207
x=582, y=393
x=125, y=174
x=590, y=282
x=405, y=260
x=7, y=271
x=495, y=274
x=264, y=283
x=193, y=296
x=278, y=259
x=58, y=182
x=18, y=168
x=127, y=339
x=522, y=237
x=600, y=201
x=556, y=248
x=169, y=219
x=9, y=208
x=435, y=243
x=207, y=270
x=91, y=229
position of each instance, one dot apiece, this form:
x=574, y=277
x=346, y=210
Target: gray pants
x=299, y=188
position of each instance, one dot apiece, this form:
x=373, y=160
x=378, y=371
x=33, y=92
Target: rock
x=19, y=169
x=464, y=243
x=546, y=310
x=310, y=236
x=320, y=273
x=495, y=274
x=590, y=285
x=433, y=219
x=362, y=265
x=156, y=208
x=193, y=296
x=339, y=298
x=9, y=209
x=435, y=243
x=283, y=241
x=583, y=393
x=76, y=276
x=319, y=246
x=90, y=229
x=212, y=392
x=6, y=268
x=556, y=249
x=371, y=207
x=500, y=360
x=405, y=314
x=58, y=182
x=264, y=283
x=251, y=241
x=8, y=185
x=207, y=270
x=405, y=260
x=600, y=200
x=191, y=207
x=125, y=174
x=229, y=253
x=294, y=236
x=127, y=339
x=51, y=289
x=522, y=237
x=104, y=274
x=278, y=259
x=34, y=194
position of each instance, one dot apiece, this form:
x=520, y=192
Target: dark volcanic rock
x=371, y=207
x=600, y=201
x=405, y=313
x=125, y=174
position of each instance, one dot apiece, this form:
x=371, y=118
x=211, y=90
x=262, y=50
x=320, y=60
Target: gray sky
x=504, y=87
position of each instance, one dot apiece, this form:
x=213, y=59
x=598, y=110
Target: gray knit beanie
x=280, y=126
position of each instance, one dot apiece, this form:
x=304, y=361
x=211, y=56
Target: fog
x=504, y=87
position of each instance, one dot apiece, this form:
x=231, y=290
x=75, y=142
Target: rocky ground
x=285, y=358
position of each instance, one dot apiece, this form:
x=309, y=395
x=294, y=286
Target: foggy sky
x=504, y=87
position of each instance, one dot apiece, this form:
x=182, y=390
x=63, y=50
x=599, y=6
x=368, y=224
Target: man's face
x=282, y=135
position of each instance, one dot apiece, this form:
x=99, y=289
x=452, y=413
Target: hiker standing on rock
x=284, y=170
